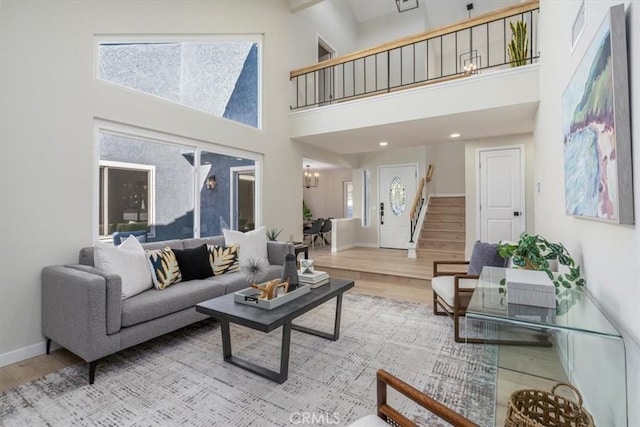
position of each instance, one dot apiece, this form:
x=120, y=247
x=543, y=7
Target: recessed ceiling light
x=384, y=143
x=454, y=135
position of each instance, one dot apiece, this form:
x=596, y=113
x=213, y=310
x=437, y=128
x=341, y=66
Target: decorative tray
x=249, y=296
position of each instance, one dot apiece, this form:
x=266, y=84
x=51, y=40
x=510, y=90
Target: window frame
x=103, y=168
x=130, y=131
x=257, y=38
x=345, y=198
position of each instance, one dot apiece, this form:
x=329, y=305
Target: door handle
x=516, y=213
x=382, y=213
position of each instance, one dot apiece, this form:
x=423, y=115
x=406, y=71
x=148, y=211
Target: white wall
x=326, y=200
x=332, y=21
x=449, y=172
x=49, y=101
x=471, y=172
x=608, y=253
x=390, y=27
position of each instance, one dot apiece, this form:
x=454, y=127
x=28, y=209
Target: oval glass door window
x=397, y=196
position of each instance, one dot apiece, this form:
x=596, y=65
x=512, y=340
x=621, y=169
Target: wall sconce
x=310, y=179
x=404, y=5
x=211, y=182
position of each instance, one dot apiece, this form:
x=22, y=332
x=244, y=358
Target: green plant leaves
x=534, y=251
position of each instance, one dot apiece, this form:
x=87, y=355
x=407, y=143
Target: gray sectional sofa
x=82, y=309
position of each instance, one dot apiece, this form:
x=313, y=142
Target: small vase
x=290, y=271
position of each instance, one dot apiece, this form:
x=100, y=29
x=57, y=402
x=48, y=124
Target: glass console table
x=540, y=346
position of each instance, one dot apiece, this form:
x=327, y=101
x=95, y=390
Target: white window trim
x=366, y=198
x=151, y=203
x=130, y=131
x=233, y=222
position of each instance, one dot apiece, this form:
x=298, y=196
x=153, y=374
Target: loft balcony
x=462, y=74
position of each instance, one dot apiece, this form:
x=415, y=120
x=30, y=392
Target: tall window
x=217, y=75
x=348, y=199
x=171, y=189
x=366, y=197
x=125, y=202
x=145, y=183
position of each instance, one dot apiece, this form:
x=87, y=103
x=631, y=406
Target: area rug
x=181, y=379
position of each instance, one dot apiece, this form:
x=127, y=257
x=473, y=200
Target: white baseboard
x=342, y=248
x=368, y=245
x=24, y=353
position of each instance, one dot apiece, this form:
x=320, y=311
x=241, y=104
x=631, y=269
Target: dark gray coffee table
x=227, y=311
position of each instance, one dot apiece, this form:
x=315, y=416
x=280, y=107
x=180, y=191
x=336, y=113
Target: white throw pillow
x=128, y=261
x=253, y=244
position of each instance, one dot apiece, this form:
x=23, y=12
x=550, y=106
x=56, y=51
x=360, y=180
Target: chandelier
x=310, y=179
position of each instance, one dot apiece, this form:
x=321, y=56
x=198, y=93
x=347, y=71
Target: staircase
x=443, y=232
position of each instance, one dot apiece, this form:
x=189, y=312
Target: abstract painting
x=596, y=128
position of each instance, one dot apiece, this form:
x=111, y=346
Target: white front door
x=397, y=186
x=501, y=195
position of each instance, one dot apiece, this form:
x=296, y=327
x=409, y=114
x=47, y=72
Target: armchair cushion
x=484, y=255
x=444, y=287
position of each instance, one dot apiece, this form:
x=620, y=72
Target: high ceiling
x=436, y=13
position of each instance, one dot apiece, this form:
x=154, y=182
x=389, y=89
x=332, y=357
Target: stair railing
x=451, y=52
x=418, y=202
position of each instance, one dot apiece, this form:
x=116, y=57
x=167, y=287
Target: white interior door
x=501, y=195
x=397, y=186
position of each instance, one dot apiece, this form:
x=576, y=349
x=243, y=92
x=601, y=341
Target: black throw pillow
x=194, y=263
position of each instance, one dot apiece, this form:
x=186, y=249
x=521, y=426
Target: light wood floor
x=380, y=272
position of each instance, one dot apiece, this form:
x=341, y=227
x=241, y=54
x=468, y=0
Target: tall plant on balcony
x=518, y=47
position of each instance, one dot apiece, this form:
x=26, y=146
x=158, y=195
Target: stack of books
x=314, y=280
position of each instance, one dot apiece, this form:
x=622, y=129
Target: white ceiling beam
x=298, y=5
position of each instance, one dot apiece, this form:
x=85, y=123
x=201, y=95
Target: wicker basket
x=535, y=408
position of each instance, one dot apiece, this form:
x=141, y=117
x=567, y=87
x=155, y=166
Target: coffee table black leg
x=226, y=340
x=278, y=377
x=336, y=325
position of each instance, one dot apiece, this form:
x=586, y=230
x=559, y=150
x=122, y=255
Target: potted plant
x=273, y=233
x=534, y=252
x=306, y=212
x=518, y=47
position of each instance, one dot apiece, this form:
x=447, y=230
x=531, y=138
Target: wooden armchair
x=387, y=415
x=452, y=292
x=452, y=289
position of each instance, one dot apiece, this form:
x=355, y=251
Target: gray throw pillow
x=484, y=255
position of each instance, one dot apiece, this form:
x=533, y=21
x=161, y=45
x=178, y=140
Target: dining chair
x=314, y=231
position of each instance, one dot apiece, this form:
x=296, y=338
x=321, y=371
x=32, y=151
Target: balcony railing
x=451, y=52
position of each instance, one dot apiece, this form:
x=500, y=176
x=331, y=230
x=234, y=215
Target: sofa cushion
x=223, y=259
x=127, y=261
x=165, y=270
x=444, y=287
x=154, y=303
x=253, y=244
x=194, y=263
